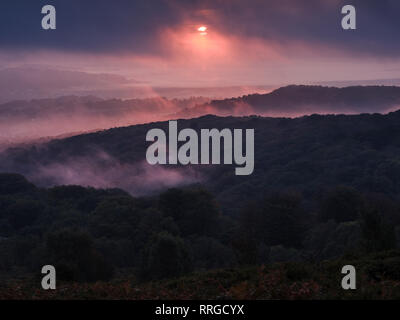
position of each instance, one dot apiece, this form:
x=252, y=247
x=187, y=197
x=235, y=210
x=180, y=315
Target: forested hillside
x=308, y=155
x=323, y=186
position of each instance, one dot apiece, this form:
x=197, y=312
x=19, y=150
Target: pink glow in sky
x=259, y=43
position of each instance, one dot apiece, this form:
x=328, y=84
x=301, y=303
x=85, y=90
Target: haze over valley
x=29, y=121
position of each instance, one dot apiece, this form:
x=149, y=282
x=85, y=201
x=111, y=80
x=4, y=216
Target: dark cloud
x=134, y=26
x=316, y=22
x=90, y=25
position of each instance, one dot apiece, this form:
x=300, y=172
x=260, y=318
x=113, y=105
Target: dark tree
x=194, y=210
x=166, y=256
x=341, y=204
x=75, y=258
x=284, y=220
x=377, y=234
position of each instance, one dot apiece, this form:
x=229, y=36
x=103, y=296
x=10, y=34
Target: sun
x=202, y=30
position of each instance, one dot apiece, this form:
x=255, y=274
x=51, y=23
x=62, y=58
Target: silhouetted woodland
x=323, y=187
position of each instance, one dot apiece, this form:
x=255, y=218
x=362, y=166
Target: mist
x=41, y=120
x=103, y=171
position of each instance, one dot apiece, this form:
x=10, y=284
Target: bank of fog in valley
x=35, y=120
x=24, y=121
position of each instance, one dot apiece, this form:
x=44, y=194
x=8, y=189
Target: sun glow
x=202, y=30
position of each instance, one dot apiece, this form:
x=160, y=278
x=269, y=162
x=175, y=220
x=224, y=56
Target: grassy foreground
x=378, y=277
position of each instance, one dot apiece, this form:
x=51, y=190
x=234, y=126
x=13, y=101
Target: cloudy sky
x=252, y=42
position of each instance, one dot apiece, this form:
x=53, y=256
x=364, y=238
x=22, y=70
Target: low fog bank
x=104, y=171
x=42, y=119
x=26, y=121
x=39, y=102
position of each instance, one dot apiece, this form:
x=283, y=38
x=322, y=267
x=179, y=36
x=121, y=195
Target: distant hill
x=297, y=100
x=33, y=82
x=37, y=82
